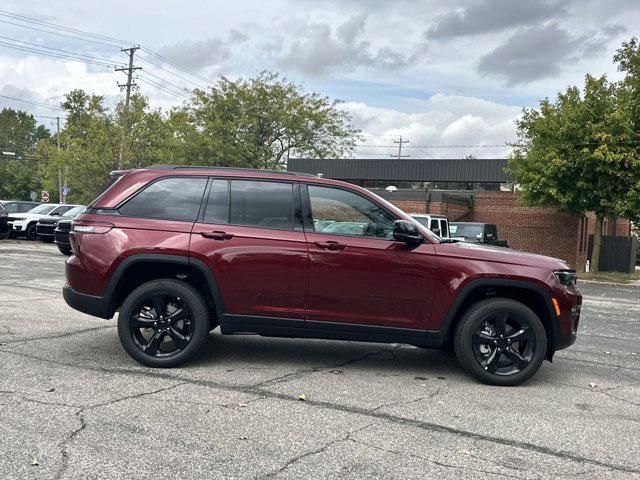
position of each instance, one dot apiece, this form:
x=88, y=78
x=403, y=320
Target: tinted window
x=491, y=232
x=11, y=207
x=218, y=204
x=61, y=210
x=444, y=231
x=434, y=224
x=340, y=212
x=25, y=207
x=261, y=204
x=169, y=199
x=43, y=209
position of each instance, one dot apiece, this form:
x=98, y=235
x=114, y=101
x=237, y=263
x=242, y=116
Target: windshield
x=43, y=209
x=422, y=221
x=74, y=212
x=466, y=231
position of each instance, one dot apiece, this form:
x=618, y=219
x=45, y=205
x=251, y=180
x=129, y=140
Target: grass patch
x=611, y=277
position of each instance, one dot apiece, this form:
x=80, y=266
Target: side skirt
x=284, y=327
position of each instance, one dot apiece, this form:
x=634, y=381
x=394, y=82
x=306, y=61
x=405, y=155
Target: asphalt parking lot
x=74, y=405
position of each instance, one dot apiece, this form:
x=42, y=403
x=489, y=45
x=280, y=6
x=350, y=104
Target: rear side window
x=168, y=199
x=261, y=204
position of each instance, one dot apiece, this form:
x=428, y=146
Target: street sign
x=45, y=196
x=65, y=191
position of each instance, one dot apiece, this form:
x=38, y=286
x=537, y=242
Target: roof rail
x=228, y=169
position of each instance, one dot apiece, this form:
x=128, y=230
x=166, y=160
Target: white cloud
x=446, y=120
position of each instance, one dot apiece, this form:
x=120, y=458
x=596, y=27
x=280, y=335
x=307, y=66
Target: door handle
x=330, y=245
x=217, y=235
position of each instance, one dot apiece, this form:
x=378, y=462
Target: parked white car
x=24, y=224
x=438, y=224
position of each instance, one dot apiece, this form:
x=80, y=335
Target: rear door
x=250, y=235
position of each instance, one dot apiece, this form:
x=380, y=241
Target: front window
x=43, y=209
x=339, y=212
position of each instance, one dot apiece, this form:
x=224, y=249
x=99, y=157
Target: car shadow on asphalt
x=296, y=353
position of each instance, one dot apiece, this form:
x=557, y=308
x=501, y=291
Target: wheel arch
x=137, y=269
x=531, y=294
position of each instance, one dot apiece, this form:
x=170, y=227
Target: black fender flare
x=496, y=282
x=186, y=261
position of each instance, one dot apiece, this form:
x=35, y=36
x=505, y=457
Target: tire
x=136, y=310
x=30, y=232
x=504, y=360
x=46, y=239
x=64, y=249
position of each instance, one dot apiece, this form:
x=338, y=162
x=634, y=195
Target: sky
x=445, y=75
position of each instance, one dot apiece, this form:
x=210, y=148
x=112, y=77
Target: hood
x=29, y=216
x=491, y=253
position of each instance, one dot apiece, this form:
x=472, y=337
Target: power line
x=38, y=104
x=55, y=55
x=169, y=71
x=176, y=65
x=97, y=39
x=66, y=52
x=60, y=27
x=60, y=34
x=159, y=86
x=185, y=90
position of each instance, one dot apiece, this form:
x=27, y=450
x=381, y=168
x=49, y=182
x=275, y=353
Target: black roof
x=405, y=169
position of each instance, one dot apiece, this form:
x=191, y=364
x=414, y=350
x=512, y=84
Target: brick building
x=472, y=190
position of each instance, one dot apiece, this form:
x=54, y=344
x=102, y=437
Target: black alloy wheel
x=163, y=323
x=500, y=341
x=30, y=232
x=504, y=345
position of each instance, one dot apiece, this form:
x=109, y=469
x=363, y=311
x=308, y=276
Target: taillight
x=91, y=227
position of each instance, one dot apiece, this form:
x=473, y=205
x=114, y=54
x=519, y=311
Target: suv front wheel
x=163, y=323
x=500, y=342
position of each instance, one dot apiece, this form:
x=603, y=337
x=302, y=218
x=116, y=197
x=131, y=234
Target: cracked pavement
x=74, y=402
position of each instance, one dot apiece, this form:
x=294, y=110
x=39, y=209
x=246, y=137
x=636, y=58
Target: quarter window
x=261, y=204
x=339, y=212
x=168, y=199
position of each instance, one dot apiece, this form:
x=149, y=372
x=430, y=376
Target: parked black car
x=4, y=228
x=17, y=206
x=46, y=226
x=474, y=232
x=61, y=236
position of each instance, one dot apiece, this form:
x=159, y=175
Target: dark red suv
x=179, y=251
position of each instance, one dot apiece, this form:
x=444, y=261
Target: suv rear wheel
x=500, y=342
x=163, y=323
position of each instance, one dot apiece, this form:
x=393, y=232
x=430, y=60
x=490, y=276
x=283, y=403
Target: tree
x=580, y=153
x=19, y=134
x=259, y=123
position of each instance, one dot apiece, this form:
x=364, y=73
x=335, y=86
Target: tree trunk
x=597, y=241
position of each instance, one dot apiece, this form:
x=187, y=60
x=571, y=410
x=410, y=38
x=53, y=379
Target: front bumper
x=570, y=305
x=89, y=304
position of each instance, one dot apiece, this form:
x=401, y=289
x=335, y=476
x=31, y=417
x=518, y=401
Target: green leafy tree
x=580, y=153
x=19, y=134
x=259, y=122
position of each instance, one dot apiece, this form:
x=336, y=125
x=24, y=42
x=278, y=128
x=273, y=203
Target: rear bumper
x=89, y=304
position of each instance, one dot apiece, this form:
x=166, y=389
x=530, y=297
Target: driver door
x=358, y=273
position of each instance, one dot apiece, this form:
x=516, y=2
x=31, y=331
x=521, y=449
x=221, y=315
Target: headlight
x=568, y=278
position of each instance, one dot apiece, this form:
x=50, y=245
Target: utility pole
x=59, y=169
x=127, y=87
x=400, y=143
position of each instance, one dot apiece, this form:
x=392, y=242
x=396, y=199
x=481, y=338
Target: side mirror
x=407, y=232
